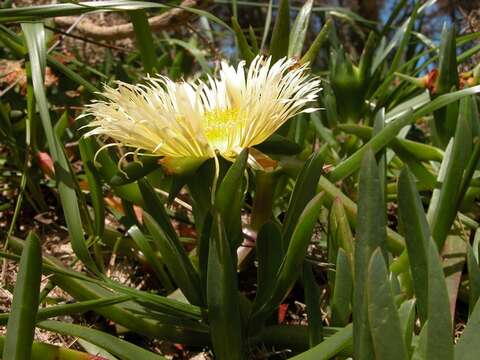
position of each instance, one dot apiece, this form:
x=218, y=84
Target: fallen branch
x=166, y=21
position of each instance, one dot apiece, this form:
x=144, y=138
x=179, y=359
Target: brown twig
x=173, y=18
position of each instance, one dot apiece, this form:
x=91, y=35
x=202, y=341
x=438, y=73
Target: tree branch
x=166, y=21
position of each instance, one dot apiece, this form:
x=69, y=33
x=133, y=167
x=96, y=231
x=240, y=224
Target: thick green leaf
x=387, y=337
x=341, y=301
x=269, y=257
x=381, y=156
x=21, y=323
x=263, y=201
x=144, y=40
x=475, y=115
x=75, y=308
x=177, y=261
x=371, y=233
x=299, y=30
x=305, y=188
x=222, y=296
x=61, y=125
x=95, y=350
x=202, y=252
x=229, y=200
x=152, y=258
x=253, y=39
x=467, y=346
x=330, y=101
x=324, y=133
x=330, y=347
x=94, y=185
x=469, y=111
x=420, y=344
x=454, y=252
x=281, y=32
x=473, y=278
x=317, y=44
x=312, y=300
x=156, y=208
x=414, y=102
x=444, y=204
x=447, y=67
x=200, y=190
x=417, y=237
x=295, y=337
x=439, y=339
x=116, y=346
x=407, y=315
x=243, y=46
x=339, y=237
x=291, y=265
x=79, y=307
x=443, y=126
x=425, y=179
x=340, y=227
x=366, y=60
x=35, y=37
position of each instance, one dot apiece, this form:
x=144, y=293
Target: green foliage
x=371, y=234
x=383, y=317
x=21, y=322
x=281, y=32
x=307, y=217
x=417, y=236
x=222, y=295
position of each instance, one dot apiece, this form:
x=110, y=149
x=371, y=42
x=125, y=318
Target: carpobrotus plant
x=279, y=260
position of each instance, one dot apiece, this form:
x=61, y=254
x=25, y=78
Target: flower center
x=222, y=129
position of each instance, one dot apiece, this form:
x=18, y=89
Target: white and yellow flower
x=189, y=122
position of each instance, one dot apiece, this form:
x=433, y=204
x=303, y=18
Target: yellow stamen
x=221, y=126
